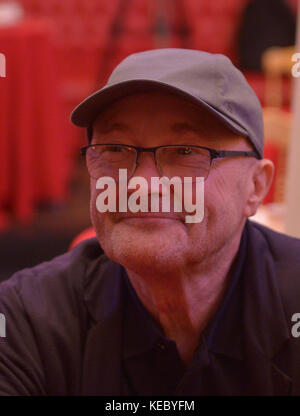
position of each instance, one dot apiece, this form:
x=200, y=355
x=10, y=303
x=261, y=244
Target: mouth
x=145, y=218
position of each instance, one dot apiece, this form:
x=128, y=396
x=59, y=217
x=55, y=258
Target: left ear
x=262, y=176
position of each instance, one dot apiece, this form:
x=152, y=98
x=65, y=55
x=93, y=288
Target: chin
x=154, y=251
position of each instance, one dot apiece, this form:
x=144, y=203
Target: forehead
x=162, y=112
x=150, y=104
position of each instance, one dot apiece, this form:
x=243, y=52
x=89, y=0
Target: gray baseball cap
x=209, y=80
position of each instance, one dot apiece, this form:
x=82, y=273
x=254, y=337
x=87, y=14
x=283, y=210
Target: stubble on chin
x=150, y=249
x=143, y=252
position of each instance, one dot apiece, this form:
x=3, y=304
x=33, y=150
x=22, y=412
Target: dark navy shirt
x=151, y=362
x=75, y=326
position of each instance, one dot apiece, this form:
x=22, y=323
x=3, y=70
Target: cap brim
x=88, y=110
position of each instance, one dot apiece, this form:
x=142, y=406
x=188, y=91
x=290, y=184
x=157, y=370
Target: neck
x=184, y=300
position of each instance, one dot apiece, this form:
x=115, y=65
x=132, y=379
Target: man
x=171, y=308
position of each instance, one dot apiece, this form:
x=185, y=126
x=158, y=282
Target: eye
x=115, y=149
x=185, y=150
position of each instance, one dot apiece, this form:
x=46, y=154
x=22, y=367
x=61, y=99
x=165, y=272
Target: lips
x=148, y=216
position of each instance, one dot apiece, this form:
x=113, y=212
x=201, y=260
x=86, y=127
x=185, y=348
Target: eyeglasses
x=171, y=160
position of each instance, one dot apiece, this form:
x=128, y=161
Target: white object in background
x=10, y=13
x=292, y=226
x=2, y=65
x=271, y=215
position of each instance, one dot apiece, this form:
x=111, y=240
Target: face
x=153, y=119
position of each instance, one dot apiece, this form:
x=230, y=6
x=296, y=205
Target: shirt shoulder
x=281, y=254
x=46, y=321
x=62, y=277
x=284, y=248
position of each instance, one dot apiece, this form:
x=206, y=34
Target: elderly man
x=172, y=307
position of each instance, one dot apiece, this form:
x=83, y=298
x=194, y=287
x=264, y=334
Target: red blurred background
x=58, y=52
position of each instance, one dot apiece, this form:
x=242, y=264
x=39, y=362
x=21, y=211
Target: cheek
x=93, y=196
x=99, y=220
x=221, y=191
x=96, y=216
x=225, y=195
x=216, y=193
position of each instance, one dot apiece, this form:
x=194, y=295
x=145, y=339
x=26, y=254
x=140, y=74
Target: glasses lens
x=106, y=160
x=184, y=161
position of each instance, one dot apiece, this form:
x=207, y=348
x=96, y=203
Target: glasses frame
x=214, y=154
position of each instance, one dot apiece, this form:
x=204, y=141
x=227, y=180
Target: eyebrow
x=178, y=128
x=185, y=128
x=110, y=127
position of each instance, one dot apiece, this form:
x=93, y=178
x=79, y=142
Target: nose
x=146, y=166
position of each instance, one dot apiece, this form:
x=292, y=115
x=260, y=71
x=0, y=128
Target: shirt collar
x=254, y=320
x=228, y=314
x=141, y=332
x=254, y=317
